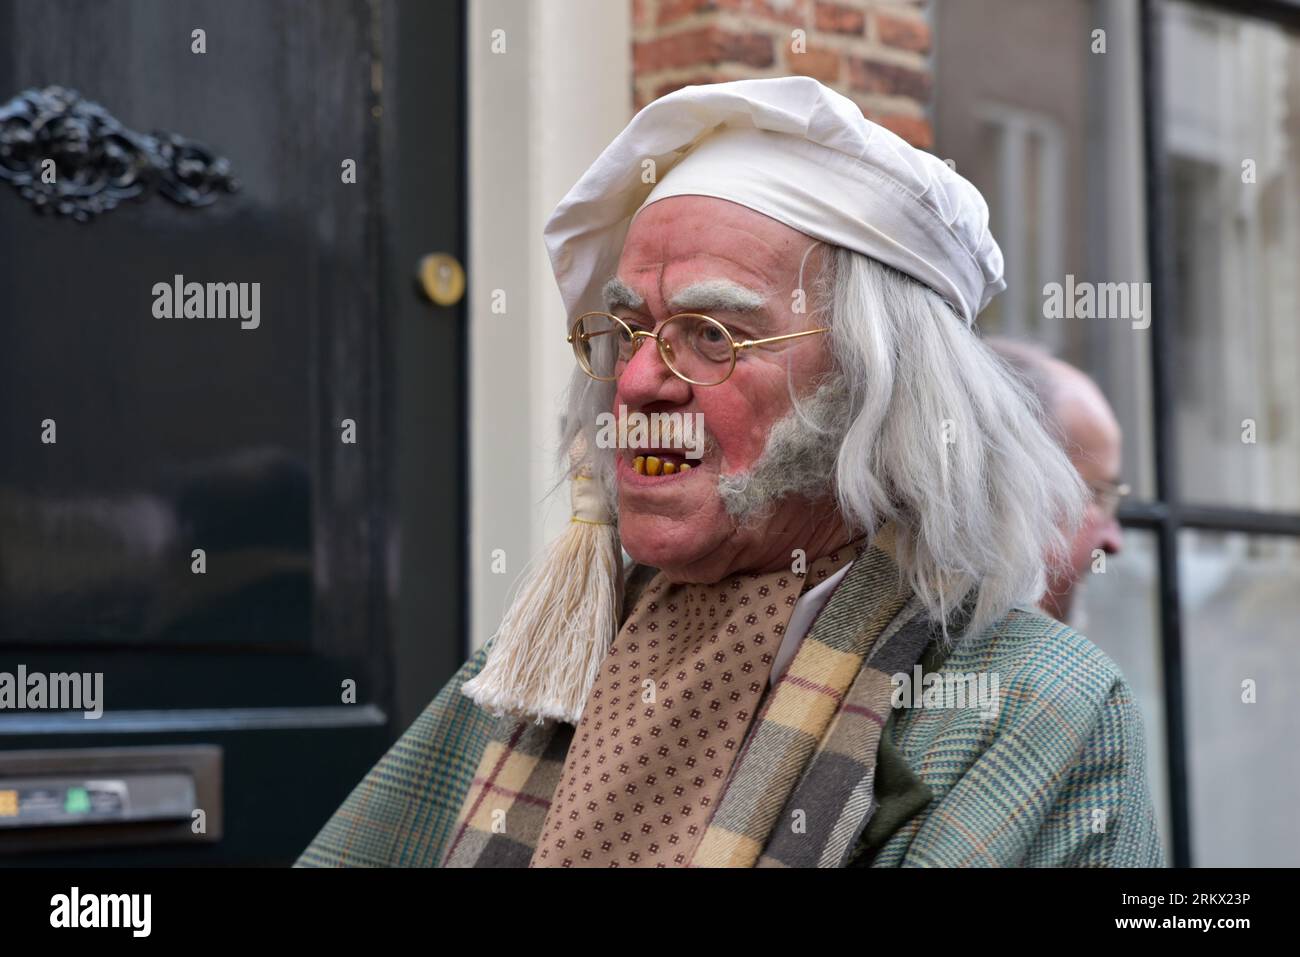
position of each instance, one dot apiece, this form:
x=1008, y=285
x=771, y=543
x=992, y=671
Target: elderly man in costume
x=822, y=652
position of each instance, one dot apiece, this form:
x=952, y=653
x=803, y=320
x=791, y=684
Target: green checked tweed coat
x=1056, y=779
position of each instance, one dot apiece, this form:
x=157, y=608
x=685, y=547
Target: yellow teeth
x=653, y=465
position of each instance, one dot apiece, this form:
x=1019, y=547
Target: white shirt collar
x=806, y=609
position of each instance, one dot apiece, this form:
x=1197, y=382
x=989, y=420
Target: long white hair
x=937, y=437
x=946, y=444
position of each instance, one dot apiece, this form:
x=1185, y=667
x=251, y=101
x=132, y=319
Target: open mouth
x=661, y=463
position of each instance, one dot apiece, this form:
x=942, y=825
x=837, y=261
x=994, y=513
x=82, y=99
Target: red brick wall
x=873, y=51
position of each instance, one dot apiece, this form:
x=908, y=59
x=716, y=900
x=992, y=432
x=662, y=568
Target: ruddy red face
x=705, y=255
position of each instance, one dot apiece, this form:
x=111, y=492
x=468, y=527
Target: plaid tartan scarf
x=800, y=791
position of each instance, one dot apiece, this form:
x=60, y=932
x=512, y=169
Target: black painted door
x=219, y=389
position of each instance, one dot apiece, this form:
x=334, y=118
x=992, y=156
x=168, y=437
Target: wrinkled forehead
x=697, y=252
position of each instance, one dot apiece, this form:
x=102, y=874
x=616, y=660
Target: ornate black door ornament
x=98, y=162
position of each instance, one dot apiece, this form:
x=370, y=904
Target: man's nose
x=646, y=379
x=1112, y=538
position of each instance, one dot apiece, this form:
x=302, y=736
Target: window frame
x=1167, y=514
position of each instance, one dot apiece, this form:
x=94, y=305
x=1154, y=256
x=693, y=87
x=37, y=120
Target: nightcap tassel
x=551, y=643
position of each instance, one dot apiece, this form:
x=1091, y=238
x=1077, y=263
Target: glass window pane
x=1232, y=131
x=1241, y=602
x=1051, y=133
x=1118, y=609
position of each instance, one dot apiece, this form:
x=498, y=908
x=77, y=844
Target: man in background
x=1082, y=421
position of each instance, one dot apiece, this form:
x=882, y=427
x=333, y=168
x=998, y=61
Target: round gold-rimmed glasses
x=694, y=347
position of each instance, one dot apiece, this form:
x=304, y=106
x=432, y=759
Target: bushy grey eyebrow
x=618, y=293
x=710, y=294
x=717, y=294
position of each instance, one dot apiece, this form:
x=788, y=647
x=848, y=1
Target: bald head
x=1085, y=425
x=1074, y=408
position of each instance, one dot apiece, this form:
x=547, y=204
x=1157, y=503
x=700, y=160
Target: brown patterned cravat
x=666, y=718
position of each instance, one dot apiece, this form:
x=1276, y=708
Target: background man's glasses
x=696, y=348
x=1108, y=495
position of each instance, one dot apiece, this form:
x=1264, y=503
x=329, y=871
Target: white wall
x=539, y=114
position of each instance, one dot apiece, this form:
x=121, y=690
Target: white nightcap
x=793, y=149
